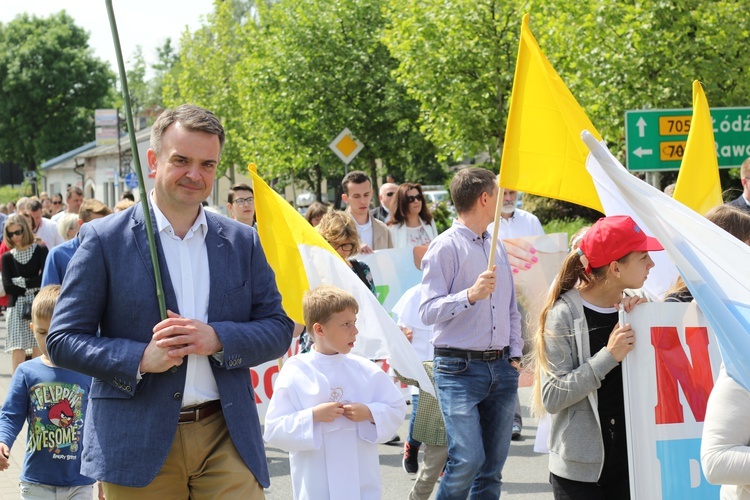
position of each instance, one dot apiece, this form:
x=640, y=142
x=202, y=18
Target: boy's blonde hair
x=319, y=304
x=44, y=303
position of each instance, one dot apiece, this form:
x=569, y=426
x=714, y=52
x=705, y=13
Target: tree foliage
x=50, y=84
x=456, y=58
x=287, y=77
x=206, y=73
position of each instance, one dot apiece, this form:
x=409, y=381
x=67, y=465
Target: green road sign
x=655, y=138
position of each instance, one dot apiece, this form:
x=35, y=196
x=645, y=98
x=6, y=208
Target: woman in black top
x=22, y=277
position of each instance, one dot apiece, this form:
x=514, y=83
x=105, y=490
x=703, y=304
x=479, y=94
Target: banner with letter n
x=667, y=379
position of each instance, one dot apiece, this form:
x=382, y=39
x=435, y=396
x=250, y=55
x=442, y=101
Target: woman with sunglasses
x=22, y=277
x=411, y=223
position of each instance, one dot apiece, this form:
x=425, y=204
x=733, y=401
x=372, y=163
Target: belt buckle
x=489, y=355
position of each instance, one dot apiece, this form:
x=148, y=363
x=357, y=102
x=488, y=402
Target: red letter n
x=672, y=366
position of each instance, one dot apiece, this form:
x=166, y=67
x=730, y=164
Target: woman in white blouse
x=411, y=223
x=725, y=447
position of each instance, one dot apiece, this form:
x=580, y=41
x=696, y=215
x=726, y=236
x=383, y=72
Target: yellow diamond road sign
x=346, y=146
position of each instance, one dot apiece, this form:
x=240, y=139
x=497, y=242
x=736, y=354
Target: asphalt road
x=525, y=475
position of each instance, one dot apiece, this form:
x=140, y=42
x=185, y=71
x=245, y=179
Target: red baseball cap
x=612, y=238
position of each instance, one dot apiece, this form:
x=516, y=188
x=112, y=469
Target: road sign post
x=655, y=138
x=346, y=147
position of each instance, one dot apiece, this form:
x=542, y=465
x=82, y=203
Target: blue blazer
x=739, y=202
x=109, y=286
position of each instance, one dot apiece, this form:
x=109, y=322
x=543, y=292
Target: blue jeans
x=477, y=399
x=414, y=405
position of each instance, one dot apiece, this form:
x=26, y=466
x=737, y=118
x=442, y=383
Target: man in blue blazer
x=172, y=411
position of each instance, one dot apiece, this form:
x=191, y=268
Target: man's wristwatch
x=517, y=359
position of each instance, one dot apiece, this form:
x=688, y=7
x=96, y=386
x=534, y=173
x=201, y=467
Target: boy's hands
x=4, y=455
x=357, y=412
x=328, y=412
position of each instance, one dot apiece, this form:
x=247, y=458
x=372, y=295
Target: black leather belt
x=195, y=413
x=464, y=354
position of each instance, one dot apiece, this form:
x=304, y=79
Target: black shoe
x=411, y=456
x=395, y=439
x=516, y=435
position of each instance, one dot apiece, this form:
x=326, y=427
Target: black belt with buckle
x=492, y=355
x=195, y=413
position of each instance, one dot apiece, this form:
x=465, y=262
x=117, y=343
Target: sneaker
x=410, y=462
x=516, y=434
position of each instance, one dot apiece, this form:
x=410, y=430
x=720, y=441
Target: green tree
x=50, y=84
x=456, y=58
x=139, y=88
x=167, y=60
x=618, y=56
x=317, y=67
x=206, y=73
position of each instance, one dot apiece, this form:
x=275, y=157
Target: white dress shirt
x=519, y=225
x=187, y=260
x=47, y=231
x=365, y=231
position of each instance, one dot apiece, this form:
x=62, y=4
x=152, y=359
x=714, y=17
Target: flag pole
x=137, y=162
x=496, y=227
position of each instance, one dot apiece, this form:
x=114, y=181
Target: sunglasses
x=412, y=199
x=57, y=203
x=390, y=194
x=15, y=233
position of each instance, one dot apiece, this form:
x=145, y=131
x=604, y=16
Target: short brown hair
x=18, y=220
x=73, y=190
x=468, y=185
x=316, y=209
x=339, y=228
x=238, y=187
x=356, y=177
x=91, y=207
x=193, y=118
x=319, y=304
x=44, y=303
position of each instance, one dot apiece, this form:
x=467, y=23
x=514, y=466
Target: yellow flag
x=302, y=258
x=543, y=153
x=698, y=185
x=281, y=230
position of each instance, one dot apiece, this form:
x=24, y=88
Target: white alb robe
x=336, y=460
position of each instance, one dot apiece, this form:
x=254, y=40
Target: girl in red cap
x=578, y=349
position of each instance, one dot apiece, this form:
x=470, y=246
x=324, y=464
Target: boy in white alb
x=330, y=409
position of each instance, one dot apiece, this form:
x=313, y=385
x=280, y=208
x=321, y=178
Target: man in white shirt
x=517, y=223
x=74, y=198
x=172, y=410
x=374, y=235
x=43, y=228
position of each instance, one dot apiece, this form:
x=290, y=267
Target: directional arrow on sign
x=641, y=124
x=640, y=152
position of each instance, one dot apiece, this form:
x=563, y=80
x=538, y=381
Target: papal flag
x=543, y=153
x=709, y=259
x=698, y=184
x=302, y=259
